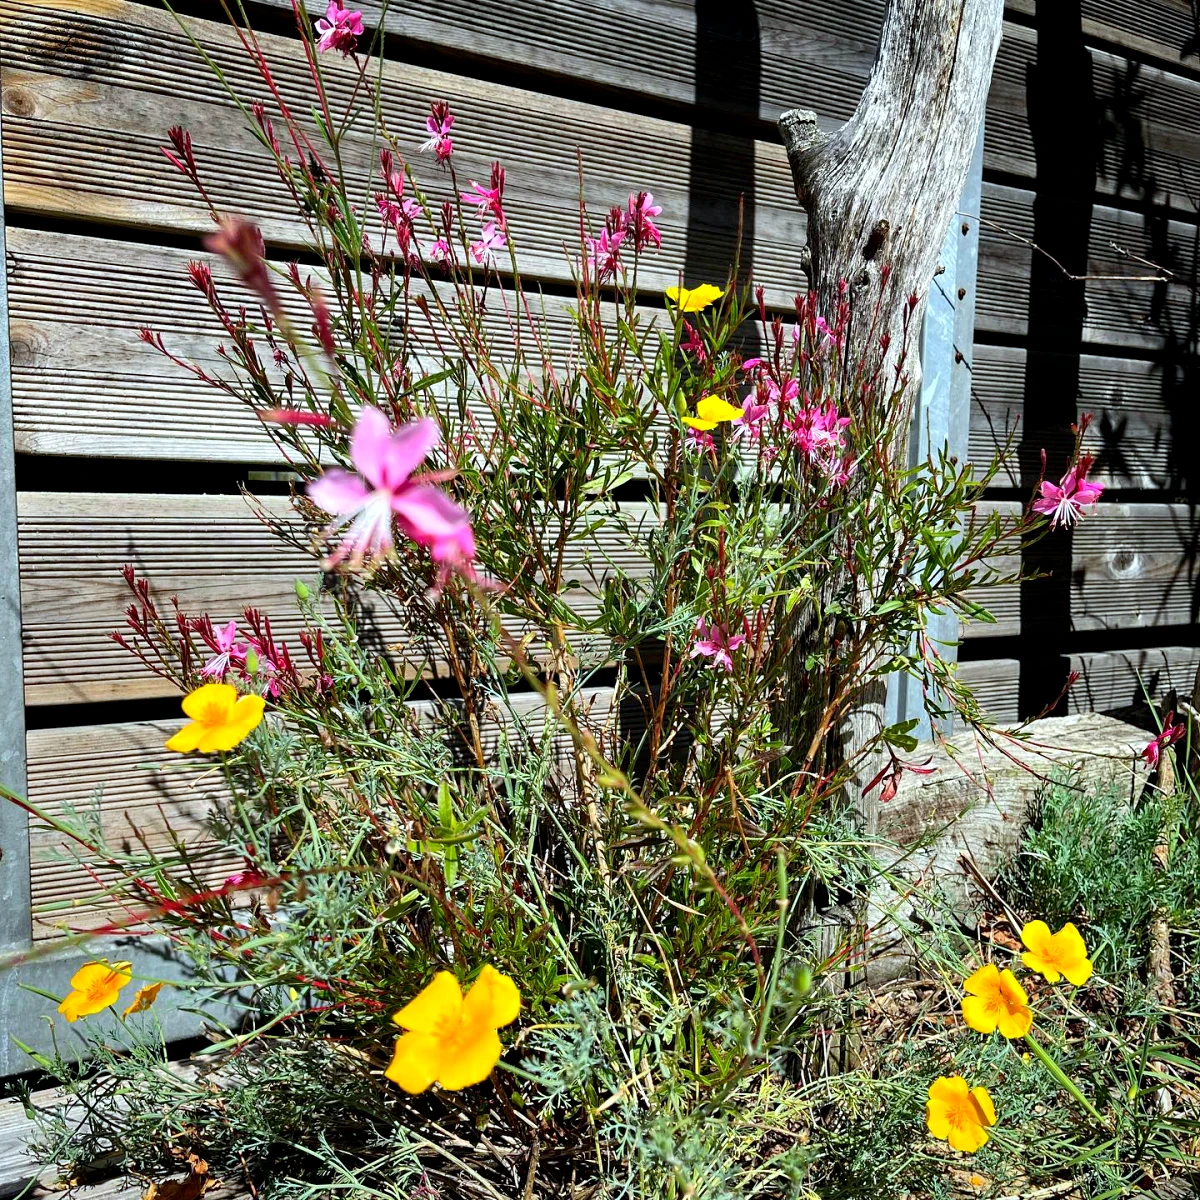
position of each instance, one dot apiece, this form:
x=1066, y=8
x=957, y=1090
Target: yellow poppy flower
x=996, y=1001
x=451, y=1038
x=1056, y=954
x=143, y=998
x=694, y=300
x=94, y=987
x=959, y=1114
x=220, y=719
x=712, y=411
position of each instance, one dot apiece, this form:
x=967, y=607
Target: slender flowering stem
x=1060, y=1077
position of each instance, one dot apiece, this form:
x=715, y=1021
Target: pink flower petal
x=428, y=514
x=338, y=492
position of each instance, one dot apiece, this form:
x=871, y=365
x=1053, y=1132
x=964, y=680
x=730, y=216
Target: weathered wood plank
x=994, y=682
x=1147, y=131
x=77, y=306
x=1143, y=430
x=1167, y=30
x=1121, y=311
x=88, y=98
x=120, y=780
x=216, y=555
x=1122, y=679
x=778, y=53
x=1133, y=566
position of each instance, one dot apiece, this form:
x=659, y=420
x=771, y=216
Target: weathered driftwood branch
x=883, y=188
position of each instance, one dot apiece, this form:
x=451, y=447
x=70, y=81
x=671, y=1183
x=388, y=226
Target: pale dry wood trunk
x=882, y=190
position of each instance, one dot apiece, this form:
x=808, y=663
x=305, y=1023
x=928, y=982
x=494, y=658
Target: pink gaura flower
x=439, y=123
x=382, y=488
x=756, y=408
x=488, y=200
x=714, y=642
x=240, y=243
x=832, y=336
x=1171, y=733
x=339, y=29
x=1065, y=501
x=817, y=433
x=229, y=652
x=638, y=221
x=700, y=439
x=604, y=253
x=491, y=239
x=440, y=252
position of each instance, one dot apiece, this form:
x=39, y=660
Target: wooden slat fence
x=674, y=96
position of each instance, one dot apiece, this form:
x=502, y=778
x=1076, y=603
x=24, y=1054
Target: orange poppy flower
x=959, y=1114
x=996, y=1001
x=452, y=1038
x=1056, y=955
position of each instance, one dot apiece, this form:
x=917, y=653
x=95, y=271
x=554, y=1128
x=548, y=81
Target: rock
x=976, y=802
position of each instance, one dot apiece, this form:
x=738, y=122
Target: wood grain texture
x=77, y=305
x=882, y=190
x=1147, y=123
x=119, y=779
x=977, y=801
x=1145, y=420
x=216, y=555
x=780, y=53
x=88, y=99
x=1167, y=30
x=1133, y=566
x=994, y=681
x=1121, y=312
x=1117, y=680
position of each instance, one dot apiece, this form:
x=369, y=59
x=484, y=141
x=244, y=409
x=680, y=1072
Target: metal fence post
x=15, y=906
x=942, y=414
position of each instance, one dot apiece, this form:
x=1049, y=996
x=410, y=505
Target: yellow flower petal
x=980, y=1014
x=716, y=408
x=693, y=300
x=470, y=1059
x=1054, y=955
x=187, y=739
x=95, y=986
x=700, y=423
x=416, y=1061
x=493, y=1000
x=1015, y=1023
x=983, y=1098
x=437, y=1010
x=220, y=719
x=958, y=1113
x=143, y=998
x=209, y=702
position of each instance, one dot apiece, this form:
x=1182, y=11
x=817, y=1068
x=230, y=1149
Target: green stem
x=1060, y=1077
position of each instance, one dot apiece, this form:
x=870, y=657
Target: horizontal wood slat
x=777, y=54
x=120, y=780
x=1146, y=120
x=1168, y=30
x=1121, y=679
x=1132, y=566
x=76, y=305
x=216, y=555
x=84, y=121
x=994, y=682
x=1144, y=420
x=1121, y=312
